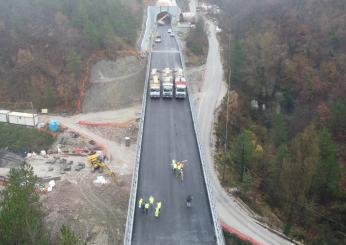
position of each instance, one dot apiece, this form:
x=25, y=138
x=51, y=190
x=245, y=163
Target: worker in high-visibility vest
x=178, y=170
x=151, y=201
x=140, y=203
x=174, y=165
x=146, y=207
x=157, y=212
x=158, y=205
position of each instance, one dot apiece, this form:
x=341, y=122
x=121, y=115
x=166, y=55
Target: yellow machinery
x=98, y=164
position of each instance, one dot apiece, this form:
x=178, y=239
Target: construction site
x=90, y=163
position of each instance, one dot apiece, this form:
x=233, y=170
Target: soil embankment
x=115, y=85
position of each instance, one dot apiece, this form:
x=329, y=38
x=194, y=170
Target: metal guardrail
x=218, y=231
x=134, y=185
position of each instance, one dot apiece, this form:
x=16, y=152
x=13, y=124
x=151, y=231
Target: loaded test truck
x=154, y=84
x=180, y=84
x=167, y=83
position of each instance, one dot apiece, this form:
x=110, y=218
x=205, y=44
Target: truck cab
x=180, y=84
x=155, y=90
x=154, y=84
x=180, y=90
x=167, y=83
x=167, y=87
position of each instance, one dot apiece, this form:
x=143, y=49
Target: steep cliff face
x=44, y=46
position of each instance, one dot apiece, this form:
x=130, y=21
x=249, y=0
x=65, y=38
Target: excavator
x=97, y=163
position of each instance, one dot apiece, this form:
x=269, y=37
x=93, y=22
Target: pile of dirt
x=115, y=85
x=117, y=134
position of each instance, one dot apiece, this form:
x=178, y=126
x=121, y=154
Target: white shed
x=4, y=115
x=27, y=119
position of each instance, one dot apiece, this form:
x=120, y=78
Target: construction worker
x=146, y=207
x=158, y=205
x=178, y=170
x=174, y=165
x=140, y=203
x=157, y=212
x=151, y=201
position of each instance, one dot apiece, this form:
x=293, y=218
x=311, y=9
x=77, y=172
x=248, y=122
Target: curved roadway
x=169, y=134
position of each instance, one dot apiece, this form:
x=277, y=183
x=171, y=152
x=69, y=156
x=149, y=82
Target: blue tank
x=53, y=126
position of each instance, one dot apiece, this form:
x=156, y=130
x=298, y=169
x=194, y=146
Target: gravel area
x=115, y=85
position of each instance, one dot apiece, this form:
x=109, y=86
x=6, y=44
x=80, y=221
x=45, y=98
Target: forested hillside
x=45, y=45
x=286, y=144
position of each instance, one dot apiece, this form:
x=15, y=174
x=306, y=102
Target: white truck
x=167, y=83
x=180, y=84
x=154, y=84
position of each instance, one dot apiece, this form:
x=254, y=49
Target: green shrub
x=19, y=138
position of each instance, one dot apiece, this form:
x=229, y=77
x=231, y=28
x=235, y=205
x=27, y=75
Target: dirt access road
x=121, y=157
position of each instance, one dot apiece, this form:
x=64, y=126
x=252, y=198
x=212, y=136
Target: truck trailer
x=154, y=84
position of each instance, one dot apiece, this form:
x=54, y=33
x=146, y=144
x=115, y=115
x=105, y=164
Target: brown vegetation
x=287, y=130
x=46, y=45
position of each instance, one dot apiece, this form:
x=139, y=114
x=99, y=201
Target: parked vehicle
x=167, y=83
x=154, y=84
x=180, y=84
x=158, y=39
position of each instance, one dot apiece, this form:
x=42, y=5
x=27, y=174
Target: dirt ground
x=96, y=212
x=115, y=85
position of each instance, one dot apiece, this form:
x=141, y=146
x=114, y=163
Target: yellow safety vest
x=157, y=212
x=151, y=200
x=140, y=202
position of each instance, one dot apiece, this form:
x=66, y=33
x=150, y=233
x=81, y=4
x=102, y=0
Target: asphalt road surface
x=169, y=134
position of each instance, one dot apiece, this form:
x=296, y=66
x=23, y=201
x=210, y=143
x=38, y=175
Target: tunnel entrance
x=164, y=18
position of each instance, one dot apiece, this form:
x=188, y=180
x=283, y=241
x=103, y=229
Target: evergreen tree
x=243, y=151
x=297, y=174
x=282, y=156
x=327, y=174
x=279, y=131
x=236, y=62
x=21, y=219
x=337, y=120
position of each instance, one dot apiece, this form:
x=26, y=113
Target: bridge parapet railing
x=134, y=185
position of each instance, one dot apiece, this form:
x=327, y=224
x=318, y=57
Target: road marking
x=165, y=51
